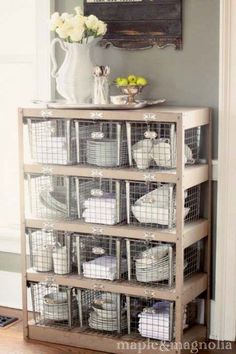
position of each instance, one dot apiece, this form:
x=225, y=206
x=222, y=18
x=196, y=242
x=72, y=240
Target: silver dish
x=60, y=104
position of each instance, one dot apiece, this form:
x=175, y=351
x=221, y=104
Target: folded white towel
x=108, y=202
x=104, y=267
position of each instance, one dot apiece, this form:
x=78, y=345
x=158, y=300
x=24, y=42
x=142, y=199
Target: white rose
x=102, y=28
x=78, y=10
x=55, y=21
x=66, y=16
x=64, y=30
x=78, y=20
x=92, y=22
x=77, y=33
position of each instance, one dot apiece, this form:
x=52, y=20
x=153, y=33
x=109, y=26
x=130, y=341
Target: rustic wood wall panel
x=139, y=24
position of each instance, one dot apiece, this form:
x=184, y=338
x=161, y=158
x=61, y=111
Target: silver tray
x=140, y=104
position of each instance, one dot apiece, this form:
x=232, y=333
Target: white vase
x=74, y=78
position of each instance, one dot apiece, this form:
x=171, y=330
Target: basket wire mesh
x=153, y=145
x=102, y=311
x=52, y=197
x=154, y=263
x=101, y=143
x=54, y=305
x=51, y=251
x=154, y=204
x=101, y=257
x=100, y=200
x=155, y=319
x=52, y=141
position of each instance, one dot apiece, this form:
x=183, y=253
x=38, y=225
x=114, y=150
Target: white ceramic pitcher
x=74, y=78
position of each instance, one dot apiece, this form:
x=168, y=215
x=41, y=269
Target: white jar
x=61, y=261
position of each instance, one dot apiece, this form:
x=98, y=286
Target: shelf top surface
x=192, y=116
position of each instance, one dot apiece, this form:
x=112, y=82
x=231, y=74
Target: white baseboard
x=213, y=334
x=10, y=293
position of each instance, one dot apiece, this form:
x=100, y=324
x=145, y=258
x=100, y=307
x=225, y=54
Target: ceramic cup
x=120, y=99
x=60, y=261
x=142, y=153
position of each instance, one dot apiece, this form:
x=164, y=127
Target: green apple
x=132, y=79
x=141, y=81
x=117, y=80
x=122, y=82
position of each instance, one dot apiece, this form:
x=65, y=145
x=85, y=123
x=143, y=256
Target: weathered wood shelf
x=89, y=340
x=183, y=235
x=192, y=232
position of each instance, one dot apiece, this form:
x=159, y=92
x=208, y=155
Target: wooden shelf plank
x=102, y=342
x=192, y=116
x=193, y=175
x=193, y=232
x=127, y=231
x=192, y=286
x=121, y=287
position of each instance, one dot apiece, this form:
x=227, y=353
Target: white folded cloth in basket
x=159, y=323
x=54, y=150
x=101, y=210
x=104, y=267
x=100, y=202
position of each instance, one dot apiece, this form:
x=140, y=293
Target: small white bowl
x=120, y=99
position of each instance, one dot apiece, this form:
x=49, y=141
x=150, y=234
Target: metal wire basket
x=52, y=197
x=101, y=311
x=101, y=143
x=51, y=251
x=153, y=145
x=155, y=319
x=100, y=257
x=154, y=204
x=154, y=263
x=54, y=305
x=100, y=200
x=52, y=141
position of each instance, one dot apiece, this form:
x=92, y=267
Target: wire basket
x=101, y=311
x=154, y=204
x=101, y=143
x=54, y=305
x=154, y=263
x=100, y=200
x=100, y=257
x=155, y=319
x=51, y=251
x=52, y=141
x=153, y=145
x=52, y=197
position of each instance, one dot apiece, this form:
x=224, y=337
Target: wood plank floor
x=12, y=342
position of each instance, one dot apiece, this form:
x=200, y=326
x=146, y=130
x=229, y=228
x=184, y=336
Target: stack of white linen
x=156, y=322
x=101, y=210
x=104, y=267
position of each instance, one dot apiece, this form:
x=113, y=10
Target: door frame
x=223, y=324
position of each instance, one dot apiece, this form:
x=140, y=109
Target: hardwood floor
x=12, y=342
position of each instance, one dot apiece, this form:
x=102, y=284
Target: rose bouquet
x=77, y=28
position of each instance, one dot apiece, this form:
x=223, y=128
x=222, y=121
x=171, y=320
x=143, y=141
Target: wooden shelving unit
x=183, y=235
